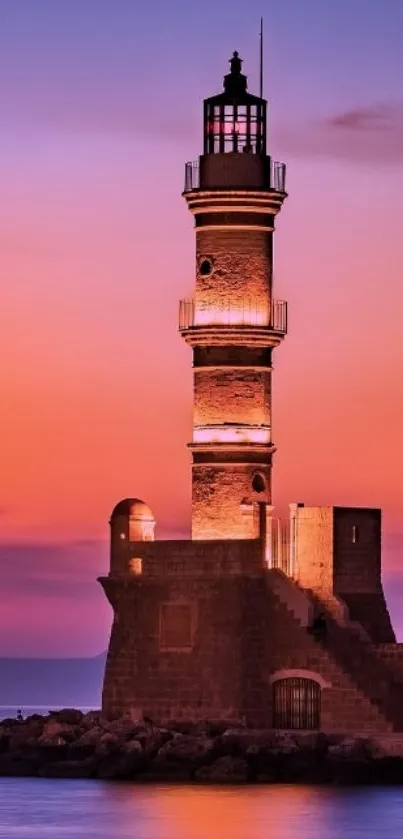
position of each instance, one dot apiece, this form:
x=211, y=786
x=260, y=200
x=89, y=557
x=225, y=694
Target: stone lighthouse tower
x=234, y=191
x=285, y=628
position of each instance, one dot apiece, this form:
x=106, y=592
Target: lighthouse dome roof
x=133, y=508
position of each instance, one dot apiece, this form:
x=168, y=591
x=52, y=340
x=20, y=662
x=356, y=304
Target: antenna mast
x=261, y=58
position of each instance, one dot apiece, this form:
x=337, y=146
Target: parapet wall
x=199, y=558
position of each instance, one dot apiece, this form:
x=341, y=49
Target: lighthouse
x=279, y=628
x=234, y=192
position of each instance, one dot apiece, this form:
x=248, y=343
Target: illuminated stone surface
x=204, y=628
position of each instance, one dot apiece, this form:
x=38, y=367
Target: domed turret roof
x=132, y=507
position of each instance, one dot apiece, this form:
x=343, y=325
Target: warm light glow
x=142, y=530
x=231, y=434
x=233, y=315
x=136, y=565
x=243, y=312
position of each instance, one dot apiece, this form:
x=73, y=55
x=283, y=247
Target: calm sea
x=53, y=809
x=10, y=711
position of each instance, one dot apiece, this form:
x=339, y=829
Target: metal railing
x=277, y=176
x=192, y=175
x=230, y=313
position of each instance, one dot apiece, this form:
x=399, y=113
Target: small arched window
x=296, y=704
x=258, y=483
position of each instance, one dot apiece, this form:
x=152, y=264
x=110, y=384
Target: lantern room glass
x=235, y=127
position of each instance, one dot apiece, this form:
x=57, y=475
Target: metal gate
x=296, y=704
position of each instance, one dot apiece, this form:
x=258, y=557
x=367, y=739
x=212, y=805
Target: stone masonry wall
x=241, y=635
x=314, y=548
x=242, y=263
x=186, y=557
x=218, y=492
x=357, y=569
x=204, y=681
x=357, y=550
x=392, y=656
x=231, y=396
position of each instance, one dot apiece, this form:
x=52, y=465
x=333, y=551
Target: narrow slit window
x=354, y=534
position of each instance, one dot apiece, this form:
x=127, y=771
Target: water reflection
x=51, y=809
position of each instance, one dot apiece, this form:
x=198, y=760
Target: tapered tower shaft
x=234, y=192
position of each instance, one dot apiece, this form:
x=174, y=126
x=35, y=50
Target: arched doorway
x=296, y=703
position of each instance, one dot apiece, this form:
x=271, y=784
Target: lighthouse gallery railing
x=277, y=176
x=229, y=313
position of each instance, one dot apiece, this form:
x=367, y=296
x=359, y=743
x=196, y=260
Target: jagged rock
x=54, y=729
x=235, y=741
x=161, y=769
x=48, y=741
x=92, y=719
x=351, y=749
x=312, y=741
x=93, y=746
x=90, y=737
x=132, y=747
x=123, y=765
x=188, y=749
x=123, y=728
x=153, y=739
x=108, y=744
x=4, y=741
x=68, y=716
x=225, y=770
x=240, y=742
x=21, y=739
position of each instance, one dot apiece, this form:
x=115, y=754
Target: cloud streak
x=372, y=134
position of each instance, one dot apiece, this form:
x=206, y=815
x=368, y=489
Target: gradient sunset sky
x=100, y=104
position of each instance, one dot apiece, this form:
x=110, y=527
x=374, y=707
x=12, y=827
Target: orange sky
x=97, y=248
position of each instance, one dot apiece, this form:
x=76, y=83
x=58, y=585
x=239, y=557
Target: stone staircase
x=346, y=643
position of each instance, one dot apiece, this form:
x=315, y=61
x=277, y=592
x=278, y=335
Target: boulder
x=311, y=741
x=241, y=742
x=53, y=729
x=90, y=737
x=187, y=749
x=161, y=769
x=4, y=741
x=123, y=728
x=152, y=740
x=68, y=716
x=107, y=744
x=351, y=749
x=91, y=719
x=132, y=747
x=235, y=741
x=123, y=765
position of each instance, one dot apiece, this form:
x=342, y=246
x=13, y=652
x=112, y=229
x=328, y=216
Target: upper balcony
x=239, y=317
x=250, y=171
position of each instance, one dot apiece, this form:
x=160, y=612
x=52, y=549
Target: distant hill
x=51, y=682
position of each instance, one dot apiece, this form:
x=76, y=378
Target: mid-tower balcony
x=232, y=433
x=234, y=321
x=225, y=174
x=231, y=438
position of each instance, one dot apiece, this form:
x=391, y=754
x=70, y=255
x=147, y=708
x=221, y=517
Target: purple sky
x=100, y=109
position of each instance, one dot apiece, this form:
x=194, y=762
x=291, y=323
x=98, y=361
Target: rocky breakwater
x=69, y=744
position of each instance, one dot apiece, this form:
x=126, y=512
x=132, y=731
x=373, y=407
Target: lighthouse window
x=296, y=704
x=258, y=483
x=205, y=267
